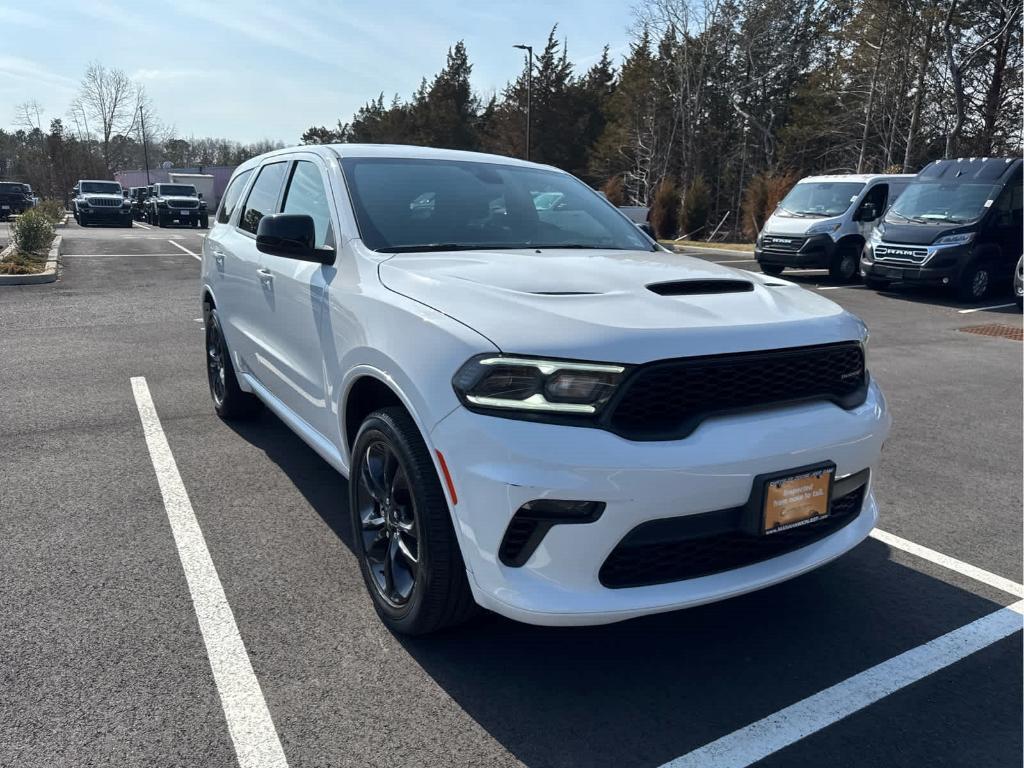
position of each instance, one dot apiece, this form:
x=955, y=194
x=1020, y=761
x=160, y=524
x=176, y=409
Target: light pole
x=145, y=148
x=529, y=89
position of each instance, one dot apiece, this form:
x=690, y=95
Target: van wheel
x=772, y=269
x=975, y=282
x=229, y=401
x=402, y=529
x=844, y=263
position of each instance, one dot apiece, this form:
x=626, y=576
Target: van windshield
x=410, y=205
x=820, y=199
x=931, y=202
x=8, y=188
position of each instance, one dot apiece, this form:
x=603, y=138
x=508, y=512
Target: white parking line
x=965, y=569
x=787, y=726
x=113, y=255
x=840, y=287
x=982, y=309
x=186, y=250
x=141, y=226
x=252, y=730
x=731, y=261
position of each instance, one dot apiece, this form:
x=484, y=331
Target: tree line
x=720, y=105
x=110, y=125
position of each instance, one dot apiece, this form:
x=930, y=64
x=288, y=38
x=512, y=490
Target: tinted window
x=412, y=204
x=231, y=195
x=263, y=196
x=820, y=198
x=101, y=187
x=178, y=190
x=936, y=202
x=306, y=194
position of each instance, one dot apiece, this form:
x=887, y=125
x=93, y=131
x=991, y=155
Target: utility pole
x=145, y=148
x=529, y=89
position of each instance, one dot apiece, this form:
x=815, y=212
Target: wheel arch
x=854, y=239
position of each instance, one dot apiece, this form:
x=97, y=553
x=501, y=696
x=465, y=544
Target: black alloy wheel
x=389, y=529
x=229, y=401
x=974, y=282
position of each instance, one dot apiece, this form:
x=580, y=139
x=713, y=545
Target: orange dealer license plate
x=798, y=500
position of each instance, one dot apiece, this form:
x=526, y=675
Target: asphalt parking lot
x=103, y=660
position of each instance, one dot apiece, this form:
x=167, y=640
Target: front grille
x=900, y=253
x=102, y=202
x=782, y=244
x=646, y=563
x=184, y=204
x=668, y=400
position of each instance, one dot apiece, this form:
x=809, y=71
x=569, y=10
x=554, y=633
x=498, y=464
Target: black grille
x=782, y=244
x=659, y=562
x=667, y=400
x=517, y=535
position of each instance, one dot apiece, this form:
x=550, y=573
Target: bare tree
x=108, y=98
x=29, y=115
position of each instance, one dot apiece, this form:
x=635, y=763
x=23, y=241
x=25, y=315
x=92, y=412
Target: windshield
x=405, y=205
x=930, y=202
x=10, y=188
x=177, y=190
x=101, y=187
x=820, y=198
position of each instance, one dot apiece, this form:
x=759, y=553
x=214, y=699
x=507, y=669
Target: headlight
x=961, y=239
x=760, y=235
x=825, y=228
x=536, y=385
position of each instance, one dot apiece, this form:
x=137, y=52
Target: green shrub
x=696, y=209
x=32, y=232
x=665, y=209
x=51, y=209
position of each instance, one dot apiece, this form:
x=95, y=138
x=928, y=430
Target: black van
x=958, y=224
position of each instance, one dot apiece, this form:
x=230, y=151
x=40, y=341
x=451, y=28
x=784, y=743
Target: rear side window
x=231, y=195
x=263, y=196
x=306, y=195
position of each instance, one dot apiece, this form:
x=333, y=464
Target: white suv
x=540, y=410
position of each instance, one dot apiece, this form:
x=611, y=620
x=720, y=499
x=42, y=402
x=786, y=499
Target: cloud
x=24, y=18
x=171, y=74
x=16, y=68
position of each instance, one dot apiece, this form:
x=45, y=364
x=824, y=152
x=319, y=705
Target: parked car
x=540, y=411
x=1018, y=283
x=824, y=222
x=958, y=225
x=137, y=196
x=99, y=201
x=176, y=203
x=15, y=198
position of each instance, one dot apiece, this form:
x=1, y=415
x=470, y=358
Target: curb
x=48, y=275
x=684, y=248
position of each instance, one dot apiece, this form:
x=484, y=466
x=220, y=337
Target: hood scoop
x=700, y=287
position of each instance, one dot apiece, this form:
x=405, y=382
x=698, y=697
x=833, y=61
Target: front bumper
x=106, y=213
x=497, y=465
x=941, y=269
x=815, y=252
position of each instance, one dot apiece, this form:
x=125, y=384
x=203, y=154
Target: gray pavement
x=102, y=661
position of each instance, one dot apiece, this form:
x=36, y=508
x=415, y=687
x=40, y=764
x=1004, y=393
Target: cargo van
x=958, y=225
x=824, y=222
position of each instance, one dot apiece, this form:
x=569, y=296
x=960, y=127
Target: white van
x=824, y=222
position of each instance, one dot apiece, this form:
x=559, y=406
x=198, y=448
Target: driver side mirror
x=868, y=212
x=291, y=236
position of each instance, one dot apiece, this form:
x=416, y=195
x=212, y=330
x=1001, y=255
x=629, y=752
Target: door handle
x=218, y=255
x=266, y=276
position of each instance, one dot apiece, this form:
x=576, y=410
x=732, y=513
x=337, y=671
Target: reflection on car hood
x=918, y=234
x=596, y=305
x=101, y=196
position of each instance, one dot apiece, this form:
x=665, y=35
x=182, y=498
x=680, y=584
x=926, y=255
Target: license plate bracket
x=790, y=498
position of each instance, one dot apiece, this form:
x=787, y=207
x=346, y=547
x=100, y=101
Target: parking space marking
x=186, y=250
x=141, y=226
x=788, y=726
x=252, y=730
x=840, y=287
x=731, y=261
x=965, y=569
x=982, y=309
x=113, y=255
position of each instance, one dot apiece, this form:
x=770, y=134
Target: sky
x=249, y=71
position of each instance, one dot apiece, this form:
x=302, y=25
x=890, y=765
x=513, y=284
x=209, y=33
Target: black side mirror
x=200, y=195
x=647, y=229
x=868, y=212
x=293, y=236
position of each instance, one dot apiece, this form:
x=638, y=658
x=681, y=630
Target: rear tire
x=772, y=269
x=83, y=220
x=229, y=401
x=975, y=282
x=845, y=263
x=402, y=528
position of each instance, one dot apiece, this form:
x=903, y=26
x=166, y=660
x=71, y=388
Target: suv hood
x=596, y=305
x=177, y=198
x=101, y=196
x=795, y=226
x=921, y=234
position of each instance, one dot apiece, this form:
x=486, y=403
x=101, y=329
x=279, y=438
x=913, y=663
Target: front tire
x=845, y=263
x=975, y=282
x=402, y=529
x=83, y=220
x=772, y=269
x=229, y=401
